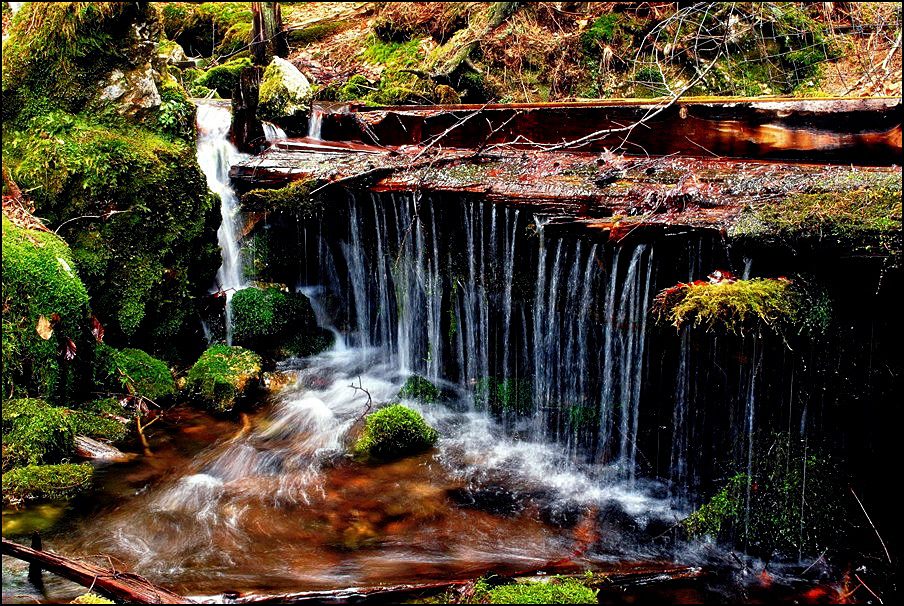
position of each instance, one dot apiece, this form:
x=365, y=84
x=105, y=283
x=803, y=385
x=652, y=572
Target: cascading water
x=315, y=122
x=216, y=154
x=273, y=133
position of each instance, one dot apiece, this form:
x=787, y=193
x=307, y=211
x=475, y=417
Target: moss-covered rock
x=133, y=371
x=787, y=306
x=222, y=375
x=418, y=388
x=284, y=92
x=45, y=482
x=394, y=431
x=40, y=281
x=99, y=427
x=223, y=78
x=35, y=432
x=203, y=28
x=295, y=198
x=276, y=323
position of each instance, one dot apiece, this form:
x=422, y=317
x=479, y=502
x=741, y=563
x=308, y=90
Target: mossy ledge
x=222, y=375
x=738, y=306
x=418, y=388
x=45, y=482
x=276, y=323
x=394, y=432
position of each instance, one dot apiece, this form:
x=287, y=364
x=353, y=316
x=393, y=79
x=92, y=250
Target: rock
x=222, y=375
x=393, y=432
x=134, y=92
x=284, y=92
x=89, y=448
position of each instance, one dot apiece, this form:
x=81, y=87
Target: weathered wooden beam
x=121, y=586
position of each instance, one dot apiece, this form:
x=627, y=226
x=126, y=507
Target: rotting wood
x=641, y=576
x=111, y=583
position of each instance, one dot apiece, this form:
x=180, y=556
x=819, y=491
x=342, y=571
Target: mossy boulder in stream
x=284, y=92
x=134, y=372
x=276, y=323
x=45, y=308
x=393, y=432
x=45, y=482
x=222, y=375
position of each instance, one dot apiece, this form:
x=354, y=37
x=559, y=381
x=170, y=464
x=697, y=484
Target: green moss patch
x=740, y=305
x=864, y=215
x=393, y=432
x=721, y=510
x=39, y=280
x=35, y=432
x=207, y=27
x=91, y=598
x=504, y=395
x=222, y=375
x=295, y=198
x=223, y=78
x=97, y=426
x=45, y=482
x=277, y=323
x=284, y=91
x=418, y=388
x=554, y=591
x=133, y=371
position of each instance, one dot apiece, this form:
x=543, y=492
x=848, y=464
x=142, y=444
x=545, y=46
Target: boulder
x=284, y=92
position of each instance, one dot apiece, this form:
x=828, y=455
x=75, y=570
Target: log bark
x=113, y=584
x=268, y=38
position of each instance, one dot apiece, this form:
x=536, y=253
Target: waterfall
x=315, y=122
x=216, y=154
x=273, y=133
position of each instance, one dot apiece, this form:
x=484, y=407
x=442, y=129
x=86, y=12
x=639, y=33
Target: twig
x=104, y=216
x=867, y=587
x=887, y=555
x=370, y=401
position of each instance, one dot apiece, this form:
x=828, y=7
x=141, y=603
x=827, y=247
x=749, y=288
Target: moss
x=607, y=29
x=176, y=114
x=504, y=395
x=295, y=198
x=222, y=375
x=122, y=181
x=223, y=78
x=418, y=388
x=865, y=216
x=45, y=482
x=394, y=431
x=97, y=426
x=741, y=304
x=207, y=28
x=556, y=590
x=134, y=372
x=39, y=280
x=35, y=432
x=276, y=323
x=55, y=49
x=91, y=598
x=721, y=510
x=318, y=31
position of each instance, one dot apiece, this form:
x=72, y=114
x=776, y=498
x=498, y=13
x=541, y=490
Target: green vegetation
x=222, y=375
x=277, y=323
x=865, y=215
x=284, y=91
x=222, y=78
x=740, y=305
x=98, y=427
x=795, y=501
x=134, y=372
x=207, y=28
x=556, y=590
x=418, y=388
x=722, y=509
x=45, y=482
x=295, y=198
x=40, y=281
x=35, y=432
x=393, y=432
x=317, y=31
x=504, y=395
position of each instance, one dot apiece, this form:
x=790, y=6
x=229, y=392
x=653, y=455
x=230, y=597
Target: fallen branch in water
x=109, y=582
x=397, y=593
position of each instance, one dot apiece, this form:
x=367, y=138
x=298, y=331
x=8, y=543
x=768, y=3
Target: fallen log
x=111, y=583
x=646, y=575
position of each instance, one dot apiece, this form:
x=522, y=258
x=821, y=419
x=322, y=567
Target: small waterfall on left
x=216, y=154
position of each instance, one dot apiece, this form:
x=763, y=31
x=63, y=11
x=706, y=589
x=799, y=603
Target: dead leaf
x=97, y=329
x=44, y=328
x=69, y=350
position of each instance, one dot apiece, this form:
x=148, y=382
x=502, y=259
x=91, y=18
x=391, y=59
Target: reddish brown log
x=116, y=585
